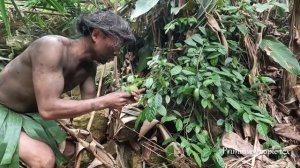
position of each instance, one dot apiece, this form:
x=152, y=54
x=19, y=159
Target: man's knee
x=43, y=161
x=35, y=153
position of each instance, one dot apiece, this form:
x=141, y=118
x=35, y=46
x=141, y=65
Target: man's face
x=106, y=46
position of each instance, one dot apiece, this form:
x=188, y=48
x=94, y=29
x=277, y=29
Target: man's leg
x=34, y=153
x=70, y=148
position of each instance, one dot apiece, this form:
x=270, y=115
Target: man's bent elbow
x=46, y=115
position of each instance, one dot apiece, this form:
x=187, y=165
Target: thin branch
x=47, y=13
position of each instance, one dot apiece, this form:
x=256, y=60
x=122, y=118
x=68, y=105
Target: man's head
x=108, y=31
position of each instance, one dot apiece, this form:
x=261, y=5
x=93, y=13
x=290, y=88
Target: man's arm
x=48, y=82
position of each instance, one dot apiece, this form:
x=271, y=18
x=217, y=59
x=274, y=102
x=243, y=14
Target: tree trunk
x=290, y=80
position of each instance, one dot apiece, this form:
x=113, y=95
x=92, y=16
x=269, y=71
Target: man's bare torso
x=16, y=80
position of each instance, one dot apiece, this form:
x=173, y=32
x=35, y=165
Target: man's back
x=16, y=80
x=16, y=89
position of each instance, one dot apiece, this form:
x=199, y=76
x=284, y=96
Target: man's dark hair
x=107, y=21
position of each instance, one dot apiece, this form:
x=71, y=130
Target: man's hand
x=117, y=100
x=136, y=94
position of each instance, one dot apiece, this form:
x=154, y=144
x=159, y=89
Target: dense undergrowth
x=193, y=59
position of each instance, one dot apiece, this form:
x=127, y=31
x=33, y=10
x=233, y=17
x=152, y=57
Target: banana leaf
x=34, y=126
x=4, y=16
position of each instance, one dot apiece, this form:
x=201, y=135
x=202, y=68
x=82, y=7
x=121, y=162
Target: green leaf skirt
x=11, y=125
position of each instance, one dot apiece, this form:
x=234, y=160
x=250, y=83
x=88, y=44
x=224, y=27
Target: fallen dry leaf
x=95, y=163
x=146, y=127
x=233, y=141
x=288, y=131
x=90, y=145
x=212, y=22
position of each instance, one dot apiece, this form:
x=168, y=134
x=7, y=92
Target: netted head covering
x=107, y=21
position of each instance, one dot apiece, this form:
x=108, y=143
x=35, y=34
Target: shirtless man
x=52, y=65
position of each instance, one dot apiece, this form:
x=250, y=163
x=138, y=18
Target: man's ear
x=96, y=33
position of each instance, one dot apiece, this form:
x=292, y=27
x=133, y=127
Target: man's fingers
x=134, y=94
x=125, y=94
x=140, y=91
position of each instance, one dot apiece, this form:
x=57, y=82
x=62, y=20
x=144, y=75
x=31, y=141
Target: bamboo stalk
x=78, y=161
x=98, y=94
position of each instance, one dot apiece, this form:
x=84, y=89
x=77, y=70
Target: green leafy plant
x=182, y=88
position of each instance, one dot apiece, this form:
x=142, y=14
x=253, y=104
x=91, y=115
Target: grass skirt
x=11, y=125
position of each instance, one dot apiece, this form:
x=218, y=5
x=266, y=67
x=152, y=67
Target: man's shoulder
x=50, y=47
x=50, y=40
x=49, y=44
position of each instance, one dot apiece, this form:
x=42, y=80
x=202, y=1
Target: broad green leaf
x=142, y=6
x=205, y=154
x=177, y=113
x=204, y=103
x=148, y=82
x=188, y=72
x=179, y=125
x=197, y=38
x=214, y=61
x=149, y=113
x=191, y=126
x=158, y=100
x=274, y=143
x=170, y=152
x=228, y=127
x=140, y=119
x=280, y=54
x=208, y=82
x=168, y=118
x=284, y=6
x=130, y=78
x=243, y=29
x=162, y=110
x=197, y=148
x=262, y=7
x=238, y=75
x=184, y=142
x=234, y=104
x=201, y=138
x=262, y=129
x=266, y=79
x=220, y=122
x=218, y=160
x=266, y=120
x=197, y=158
x=197, y=129
x=176, y=70
x=246, y=118
x=167, y=99
x=190, y=42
